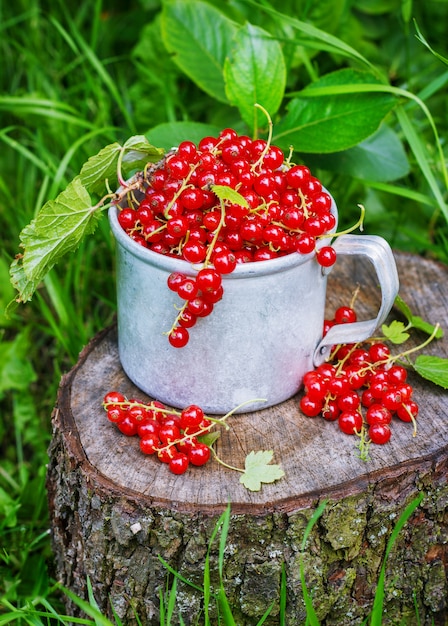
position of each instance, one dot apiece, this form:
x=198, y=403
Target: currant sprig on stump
x=363, y=387
x=183, y=438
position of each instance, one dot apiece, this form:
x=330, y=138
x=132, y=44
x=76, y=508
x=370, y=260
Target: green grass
x=79, y=75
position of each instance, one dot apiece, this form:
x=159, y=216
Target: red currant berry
x=391, y=398
x=197, y=306
x=177, y=166
x=224, y=261
x=350, y=422
x=149, y=443
x=175, y=279
x=379, y=433
x=397, y=374
x=116, y=414
x=305, y=243
x=128, y=426
x=339, y=385
x=179, y=337
x=199, y=454
x=349, y=401
x=331, y=411
x=188, y=289
x=378, y=414
x=150, y=427
x=407, y=411
x=297, y=175
x=169, y=434
x=191, y=416
x=113, y=397
x=326, y=256
x=310, y=407
x=127, y=218
x=167, y=453
x=179, y=463
x=177, y=226
x=187, y=150
x=345, y=315
x=316, y=388
x=194, y=251
x=208, y=280
x=379, y=352
x=187, y=319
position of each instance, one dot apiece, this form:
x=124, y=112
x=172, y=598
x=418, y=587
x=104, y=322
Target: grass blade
x=377, y=610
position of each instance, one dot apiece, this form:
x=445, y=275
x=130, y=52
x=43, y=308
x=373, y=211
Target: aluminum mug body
x=254, y=348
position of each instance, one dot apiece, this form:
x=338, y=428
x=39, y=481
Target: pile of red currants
x=173, y=436
x=271, y=209
x=361, y=387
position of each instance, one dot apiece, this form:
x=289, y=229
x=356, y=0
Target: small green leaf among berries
x=395, y=332
x=258, y=470
x=227, y=193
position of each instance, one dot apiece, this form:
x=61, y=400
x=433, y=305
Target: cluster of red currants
x=199, y=293
x=276, y=209
x=361, y=387
x=173, y=436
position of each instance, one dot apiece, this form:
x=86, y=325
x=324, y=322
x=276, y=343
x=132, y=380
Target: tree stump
x=114, y=512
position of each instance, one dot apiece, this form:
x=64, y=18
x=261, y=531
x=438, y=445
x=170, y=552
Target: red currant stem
x=413, y=420
x=269, y=139
x=150, y=406
x=216, y=233
x=354, y=296
x=120, y=178
x=176, y=321
x=391, y=359
x=359, y=224
x=303, y=204
x=183, y=186
x=224, y=464
x=363, y=445
x=289, y=157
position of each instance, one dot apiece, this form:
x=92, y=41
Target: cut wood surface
x=319, y=463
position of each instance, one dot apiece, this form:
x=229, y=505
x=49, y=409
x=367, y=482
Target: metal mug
x=260, y=339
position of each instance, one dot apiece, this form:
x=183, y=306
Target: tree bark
x=114, y=512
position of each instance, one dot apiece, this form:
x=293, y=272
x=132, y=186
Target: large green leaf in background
x=199, y=37
x=255, y=72
x=380, y=158
x=333, y=122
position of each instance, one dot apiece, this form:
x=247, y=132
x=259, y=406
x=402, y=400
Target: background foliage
x=359, y=88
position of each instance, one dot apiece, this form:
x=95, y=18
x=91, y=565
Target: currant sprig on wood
x=363, y=387
x=183, y=438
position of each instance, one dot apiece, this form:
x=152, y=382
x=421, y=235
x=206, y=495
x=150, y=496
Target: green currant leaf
x=101, y=167
x=57, y=229
x=258, y=470
x=415, y=320
x=255, y=72
x=433, y=368
x=138, y=152
x=324, y=118
x=395, y=332
x=227, y=193
x=209, y=438
x=198, y=50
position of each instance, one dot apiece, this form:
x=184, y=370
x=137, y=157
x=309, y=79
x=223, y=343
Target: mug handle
x=378, y=251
